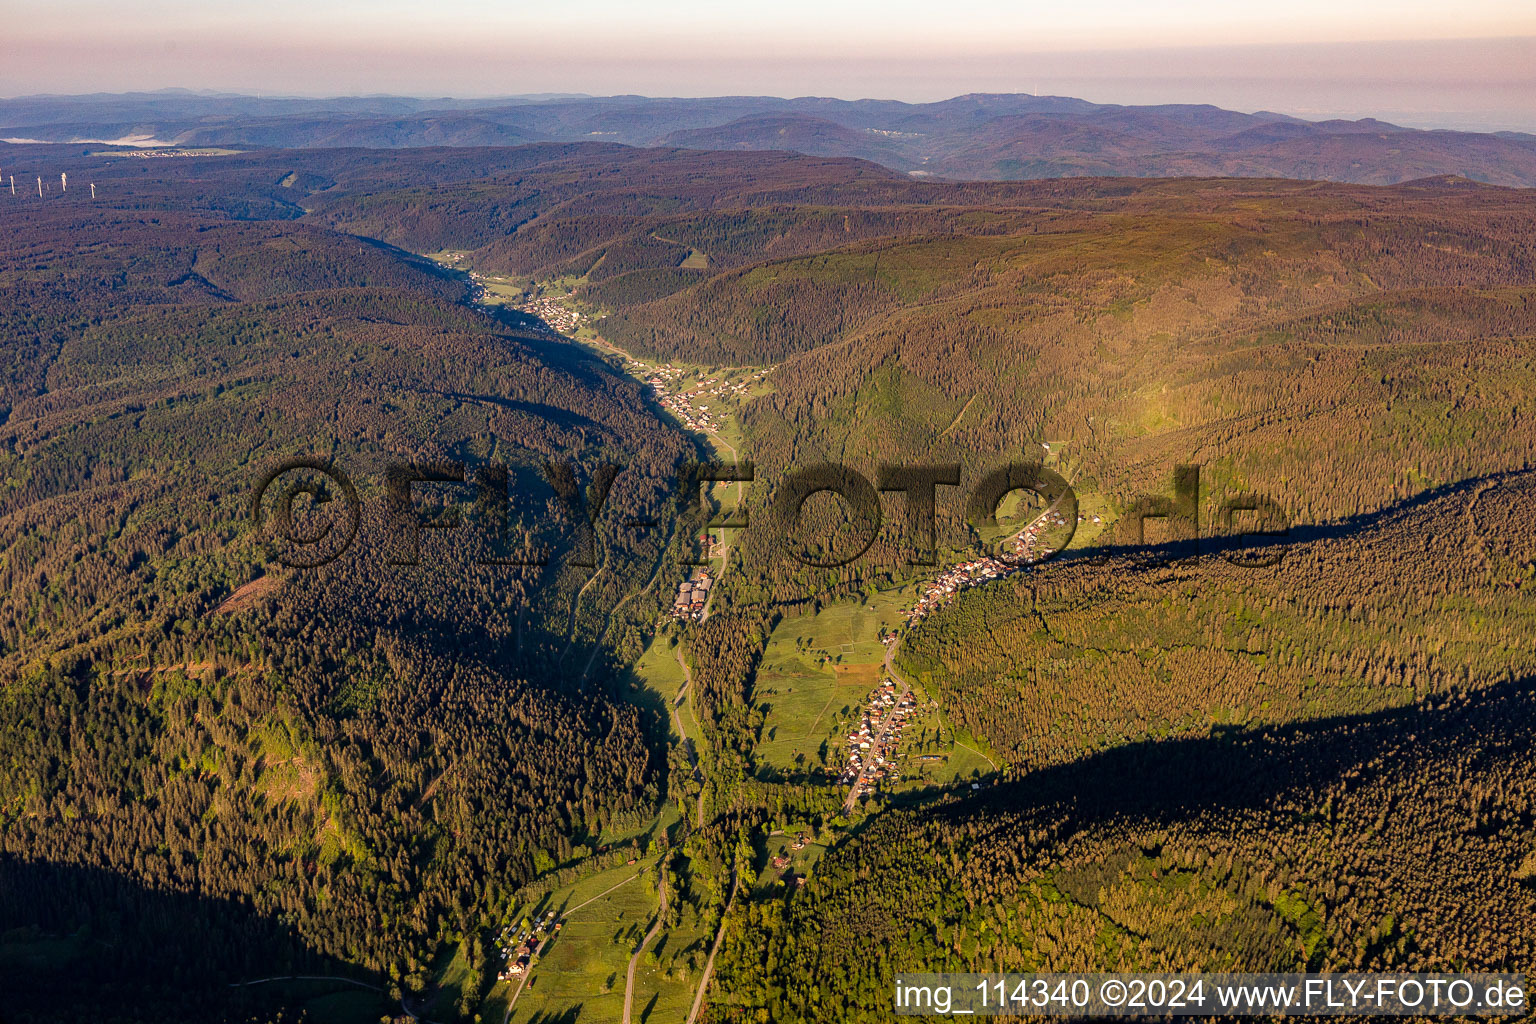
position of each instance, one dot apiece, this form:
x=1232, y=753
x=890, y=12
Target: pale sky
x=1467, y=62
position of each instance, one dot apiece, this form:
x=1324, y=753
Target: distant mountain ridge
x=979, y=136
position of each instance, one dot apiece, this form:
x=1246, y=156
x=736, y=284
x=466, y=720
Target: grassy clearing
x=656, y=674
x=930, y=755
x=348, y=1006
x=502, y=291
x=816, y=669
x=653, y=683
x=1089, y=532
x=580, y=975
x=802, y=862
x=451, y=981
x=656, y=827
x=668, y=974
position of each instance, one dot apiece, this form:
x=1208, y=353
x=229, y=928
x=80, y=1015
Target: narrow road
x=539, y=951
x=978, y=753
x=634, y=961
x=567, y=913
x=691, y=746
x=306, y=977
x=725, y=545
x=890, y=667
x=570, y=637
x=661, y=560
x=709, y=965
x=878, y=746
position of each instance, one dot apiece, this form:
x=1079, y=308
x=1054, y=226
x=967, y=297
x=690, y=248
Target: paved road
x=634, y=961
x=709, y=965
x=691, y=746
x=523, y=983
x=878, y=746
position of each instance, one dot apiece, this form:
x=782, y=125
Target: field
x=657, y=679
x=581, y=971
x=802, y=862
x=654, y=683
x=817, y=667
x=669, y=970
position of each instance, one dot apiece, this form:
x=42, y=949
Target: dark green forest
x=218, y=769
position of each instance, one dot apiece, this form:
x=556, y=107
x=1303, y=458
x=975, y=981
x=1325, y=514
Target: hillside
x=380, y=770
x=991, y=137
x=354, y=763
x=1318, y=767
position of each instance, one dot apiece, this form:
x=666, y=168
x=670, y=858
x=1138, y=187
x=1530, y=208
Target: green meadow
x=816, y=669
x=581, y=972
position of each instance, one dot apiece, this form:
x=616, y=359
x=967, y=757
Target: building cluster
x=517, y=952
x=878, y=734
x=782, y=860
x=692, y=594
x=692, y=405
x=557, y=317
x=957, y=578
x=685, y=405
x=1026, y=544
x=1026, y=550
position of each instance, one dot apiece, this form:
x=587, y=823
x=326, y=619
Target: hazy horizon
x=1418, y=64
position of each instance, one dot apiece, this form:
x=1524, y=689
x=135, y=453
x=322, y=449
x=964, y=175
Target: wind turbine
x=39, y=188
x=93, y=190
x=63, y=181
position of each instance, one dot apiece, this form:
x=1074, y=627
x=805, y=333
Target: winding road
x=709, y=965
x=634, y=961
x=689, y=745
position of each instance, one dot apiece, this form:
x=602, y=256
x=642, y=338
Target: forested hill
x=329, y=771
x=1320, y=765
x=350, y=769
x=975, y=137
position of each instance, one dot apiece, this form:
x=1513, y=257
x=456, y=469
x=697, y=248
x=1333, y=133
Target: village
x=560, y=319
x=692, y=595
x=878, y=735
x=956, y=579
x=965, y=575
x=517, y=952
x=686, y=404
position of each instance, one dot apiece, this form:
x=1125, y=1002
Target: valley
x=444, y=784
